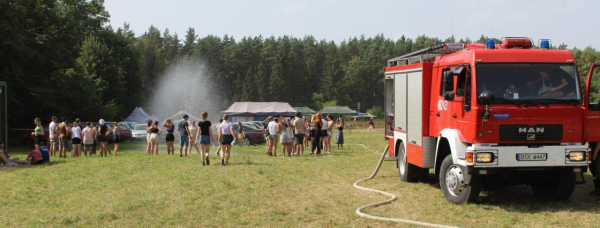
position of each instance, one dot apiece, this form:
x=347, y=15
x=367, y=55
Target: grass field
x=135, y=190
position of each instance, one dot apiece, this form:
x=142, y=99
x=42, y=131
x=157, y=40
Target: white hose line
x=389, y=201
x=363, y=147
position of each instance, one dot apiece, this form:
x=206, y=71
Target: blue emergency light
x=490, y=44
x=545, y=44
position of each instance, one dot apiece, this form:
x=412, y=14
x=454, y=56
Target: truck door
x=592, y=102
x=447, y=95
x=462, y=93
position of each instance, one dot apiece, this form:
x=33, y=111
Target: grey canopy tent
x=260, y=109
x=337, y=110
x=306, y=111
x=139, y=115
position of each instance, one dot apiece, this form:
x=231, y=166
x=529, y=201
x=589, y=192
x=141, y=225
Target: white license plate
x=532, y=157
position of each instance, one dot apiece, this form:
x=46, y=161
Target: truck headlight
x=576, y=156
x=484, y=157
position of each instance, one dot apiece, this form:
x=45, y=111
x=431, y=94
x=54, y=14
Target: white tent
x=139, y=115
x=260, y=109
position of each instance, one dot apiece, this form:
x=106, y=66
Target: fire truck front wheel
x=558, y=188
x=457, y=185
x=408, y=172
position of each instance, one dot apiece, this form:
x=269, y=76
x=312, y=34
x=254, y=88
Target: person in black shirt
x=204, y=135
x=555, y=84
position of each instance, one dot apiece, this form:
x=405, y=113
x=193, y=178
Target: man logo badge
x=530, y=137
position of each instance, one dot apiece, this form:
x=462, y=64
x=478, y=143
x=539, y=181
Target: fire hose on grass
x=359, y=211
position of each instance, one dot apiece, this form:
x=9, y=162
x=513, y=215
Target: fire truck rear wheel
x=408, y=172
x=560, y=189
x=457, y=185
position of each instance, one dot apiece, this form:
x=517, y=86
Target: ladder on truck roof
x=426, y=54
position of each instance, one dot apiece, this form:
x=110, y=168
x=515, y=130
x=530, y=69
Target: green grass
x=135, y=190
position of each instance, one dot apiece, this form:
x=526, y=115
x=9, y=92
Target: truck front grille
x=549, y=132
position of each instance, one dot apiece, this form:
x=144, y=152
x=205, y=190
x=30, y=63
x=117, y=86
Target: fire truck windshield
x=523, y=84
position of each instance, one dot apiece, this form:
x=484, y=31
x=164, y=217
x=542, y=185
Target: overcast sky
x=563, y=21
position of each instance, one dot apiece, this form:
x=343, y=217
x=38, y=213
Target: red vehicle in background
x=27, y=139
x=490, y=115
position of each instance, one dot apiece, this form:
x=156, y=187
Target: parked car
x=253, y=136
x=28, y=140
x=126, y=134
x=253, y=124
x=139, y=132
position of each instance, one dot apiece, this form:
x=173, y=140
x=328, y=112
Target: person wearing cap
x=102, y=135
x=184, y=135
x=227, y=137
x=272, y=126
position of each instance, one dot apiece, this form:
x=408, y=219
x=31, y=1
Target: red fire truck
x=491, y=115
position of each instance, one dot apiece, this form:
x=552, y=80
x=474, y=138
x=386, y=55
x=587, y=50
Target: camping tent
x=306, y=111
x=364, y=115
x=260, y=109
x=139, y=115
x=179, y=115
x=337, y=110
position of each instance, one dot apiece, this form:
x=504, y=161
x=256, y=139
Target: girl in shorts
x=227, y=136
x=205, y=136
x=38, y=132
x=193, y=142
x=154, y=132
x=117, y=132
x=103, y=133
x=76, y=138
x=286, y=142
x=327, y=138
x=170, y=137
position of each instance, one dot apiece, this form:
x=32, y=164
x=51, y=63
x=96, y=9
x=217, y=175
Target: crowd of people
x=294, y=134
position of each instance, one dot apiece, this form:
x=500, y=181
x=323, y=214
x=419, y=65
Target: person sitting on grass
x=34, y=158
x=45, y=152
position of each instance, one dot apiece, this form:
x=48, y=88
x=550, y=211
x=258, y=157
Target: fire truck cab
x=490, y=115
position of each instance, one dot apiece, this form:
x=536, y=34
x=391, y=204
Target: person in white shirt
x=227, y=137
x=53, y=129
x=76, y=138
x=322, y=142
x=272, y=126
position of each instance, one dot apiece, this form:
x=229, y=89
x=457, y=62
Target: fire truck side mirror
x=486, y=98
x=448, y=79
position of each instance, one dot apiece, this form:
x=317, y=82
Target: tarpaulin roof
x=363, y=115
x=306, y=111
x=258, y=109
x=338, y=110
x=139, y=115
x=179, y=115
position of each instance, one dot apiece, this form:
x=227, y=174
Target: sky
x=563, y=21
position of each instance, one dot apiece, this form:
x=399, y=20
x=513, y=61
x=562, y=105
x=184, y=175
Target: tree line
x=59, y=57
